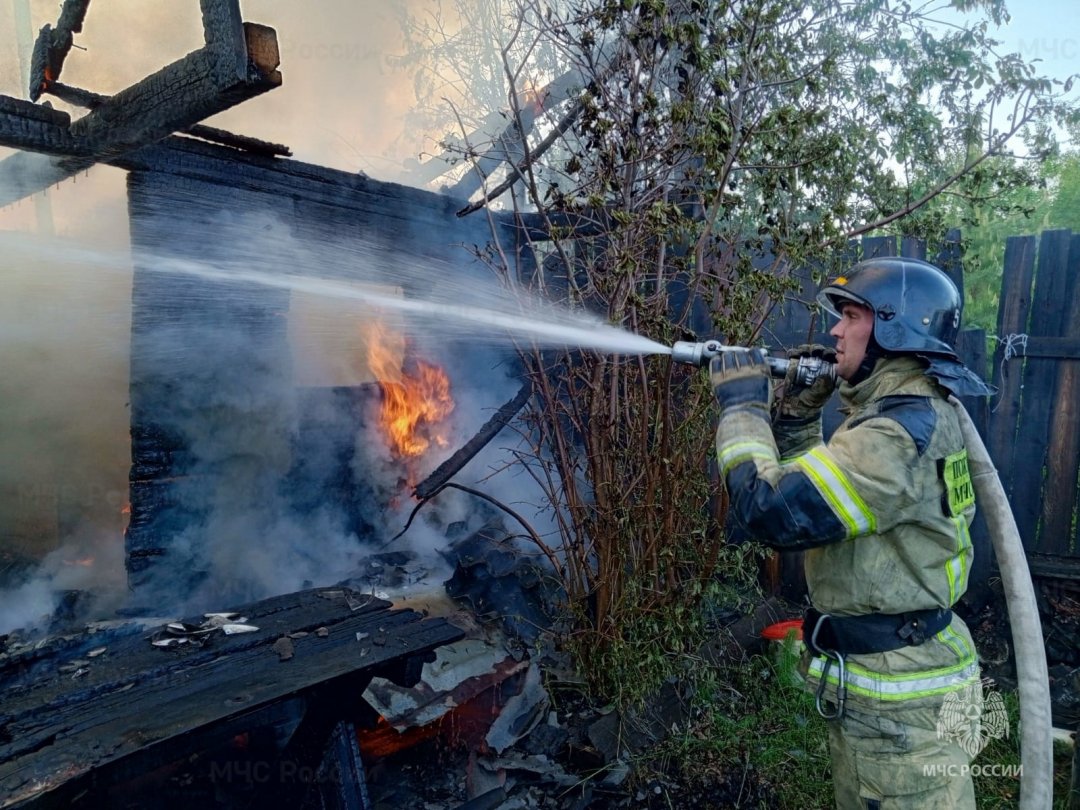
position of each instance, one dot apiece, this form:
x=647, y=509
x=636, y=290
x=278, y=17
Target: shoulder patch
x=914, y=414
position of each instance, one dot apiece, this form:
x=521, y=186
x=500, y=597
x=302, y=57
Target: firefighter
x=882, y=511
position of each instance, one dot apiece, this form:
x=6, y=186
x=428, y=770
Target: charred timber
x=136, y=706
x=87, y=98
x=53, y=44
x=198, y=86
x=554, y=94
x=30, y=126
x=452, y=466
x=238, y=61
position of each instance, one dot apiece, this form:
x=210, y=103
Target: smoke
x=253, y=474
x=240, y=407
x=340, y=105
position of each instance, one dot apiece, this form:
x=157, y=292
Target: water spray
x=808, y=370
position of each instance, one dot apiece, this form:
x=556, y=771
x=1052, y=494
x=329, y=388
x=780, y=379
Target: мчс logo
x=971, y=722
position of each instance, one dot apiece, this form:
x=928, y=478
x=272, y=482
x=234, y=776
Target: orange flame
x=413, y=404
x=532, y=98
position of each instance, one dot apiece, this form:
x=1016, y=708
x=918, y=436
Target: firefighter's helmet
x=916, y=306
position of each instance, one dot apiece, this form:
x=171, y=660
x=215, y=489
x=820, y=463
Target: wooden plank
x=875, y=247
x=1013, y=310
x=23, y=109
x=390, y=212
x=1051, y=567
x=179, y=95
x=85, y=98
x=138, y=698
x=950, y=258
x=1032, y=438
x=1063, y=348
x=223, y=33
x=911, y=247
x=53, y=44
x=971, y=349
x=1063, y=457
x=789, y=324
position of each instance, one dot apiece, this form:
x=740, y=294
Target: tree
x=1013, y=198
x=710, y=149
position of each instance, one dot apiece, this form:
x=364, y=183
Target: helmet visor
x=833, y=298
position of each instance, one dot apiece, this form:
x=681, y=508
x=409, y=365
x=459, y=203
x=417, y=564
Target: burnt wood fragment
x=140, y=704
x=203, y=83
x=89, y=99
x=34, y=127
x=53, y=44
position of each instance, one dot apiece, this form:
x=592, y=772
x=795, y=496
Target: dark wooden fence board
x=950, y=258
x=1059, y=496
x=1047, y=318
x=971, y=348
x=1013, y=311
x=913, y=248
x=875, y=247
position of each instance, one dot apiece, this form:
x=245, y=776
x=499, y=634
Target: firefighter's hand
x=740, y=381
x=802, y=402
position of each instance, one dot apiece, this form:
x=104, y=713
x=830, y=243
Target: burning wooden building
x=238, y=439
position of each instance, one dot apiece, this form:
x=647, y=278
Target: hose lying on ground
x=1033, y=679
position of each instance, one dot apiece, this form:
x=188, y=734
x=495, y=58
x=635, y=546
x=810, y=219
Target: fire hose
x=1033, y=679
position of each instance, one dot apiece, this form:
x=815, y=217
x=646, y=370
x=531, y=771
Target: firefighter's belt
x=874, y=632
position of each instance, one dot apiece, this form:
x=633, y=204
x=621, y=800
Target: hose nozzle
x=696, y=354
x=807, y=369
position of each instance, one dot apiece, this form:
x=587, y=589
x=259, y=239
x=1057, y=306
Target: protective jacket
x=882, y=512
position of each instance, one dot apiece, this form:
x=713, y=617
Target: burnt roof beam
x=203, y=83
x=53, y=44
x=27, y=126
x=239, y=61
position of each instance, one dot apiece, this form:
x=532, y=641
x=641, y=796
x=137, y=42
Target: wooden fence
x=1034, y=432
x=1032, y=425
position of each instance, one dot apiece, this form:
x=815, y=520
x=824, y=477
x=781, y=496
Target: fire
x=413, y=403
x=532, y=98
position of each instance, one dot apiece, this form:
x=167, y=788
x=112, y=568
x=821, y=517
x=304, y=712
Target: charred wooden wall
x=213, y=416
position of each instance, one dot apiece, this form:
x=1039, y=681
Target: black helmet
x=916, y=306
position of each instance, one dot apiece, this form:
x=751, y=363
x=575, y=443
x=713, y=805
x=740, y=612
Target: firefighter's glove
x=740, y=381
x=800, y=402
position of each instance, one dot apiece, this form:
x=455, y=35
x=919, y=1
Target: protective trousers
x=898, y=760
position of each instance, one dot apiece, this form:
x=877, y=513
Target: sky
x=1047, y=30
